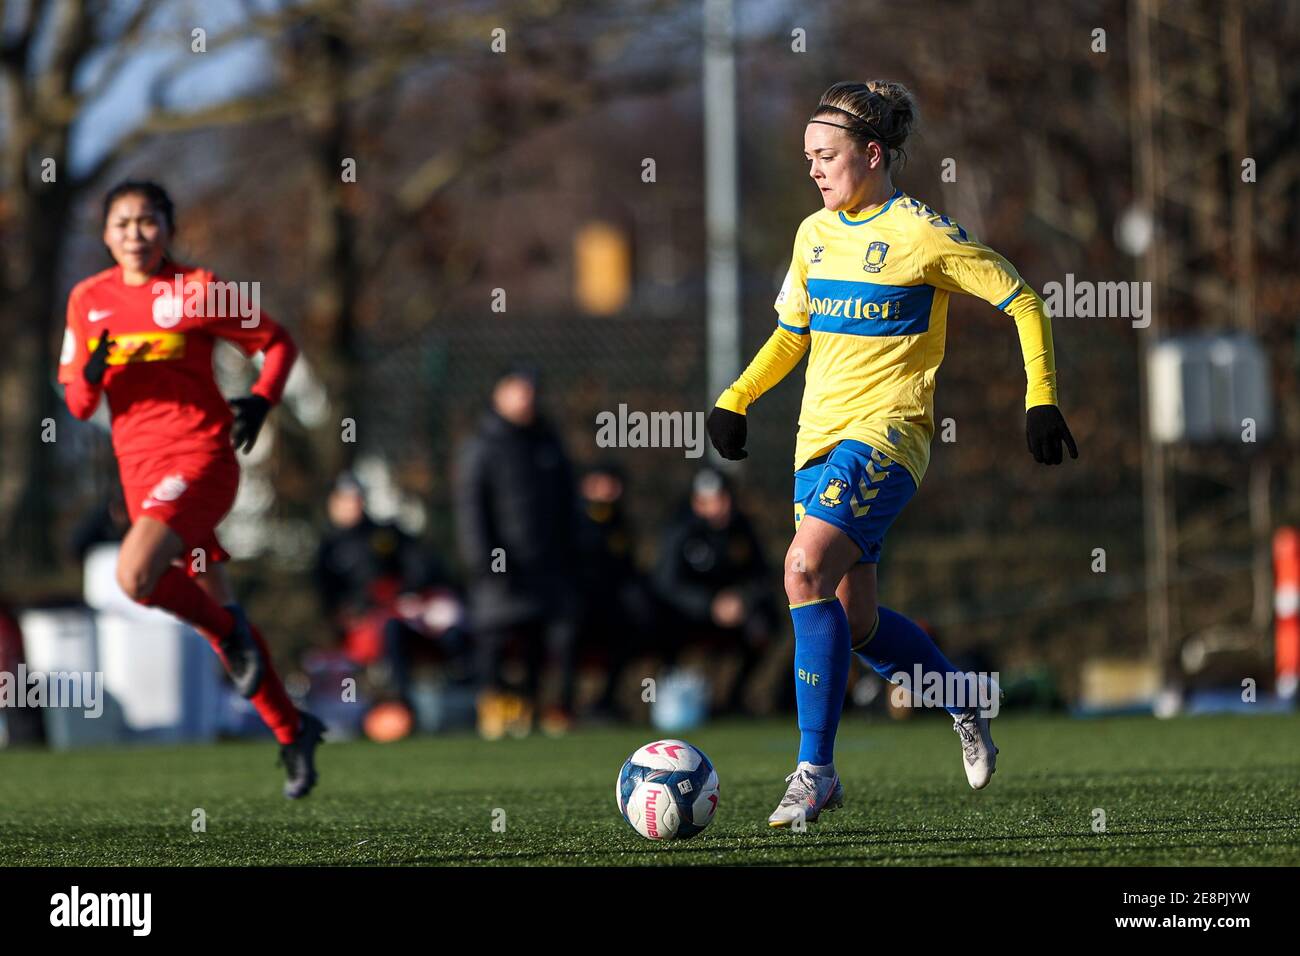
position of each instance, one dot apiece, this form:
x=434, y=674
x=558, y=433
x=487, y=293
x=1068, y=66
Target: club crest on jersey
x=817, y=255
x=168, y=310
x=832, y=495
x=874, y=260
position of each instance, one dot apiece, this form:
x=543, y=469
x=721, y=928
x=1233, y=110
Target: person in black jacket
x=617, y=609
x=714, y=581
x=389, y=599
x=362, y=562
x=515, y=520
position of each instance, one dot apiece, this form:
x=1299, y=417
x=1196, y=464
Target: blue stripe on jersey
x=867, y=308
x=792, y=328
x=1007, y=301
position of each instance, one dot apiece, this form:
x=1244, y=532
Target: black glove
x=250, y=413
x=1045, y=429
x=727, y=431
x=93, y=372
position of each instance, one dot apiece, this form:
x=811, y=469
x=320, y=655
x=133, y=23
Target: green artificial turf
x=1201, y=790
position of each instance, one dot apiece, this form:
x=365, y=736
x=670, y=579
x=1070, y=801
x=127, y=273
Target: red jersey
x=161, y=389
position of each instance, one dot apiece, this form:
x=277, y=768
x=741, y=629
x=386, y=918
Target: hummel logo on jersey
x=817, y=255
x=955, y=232
x=97, y=315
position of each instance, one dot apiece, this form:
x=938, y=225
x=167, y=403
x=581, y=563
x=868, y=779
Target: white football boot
x=810, y=791
x=979, y=756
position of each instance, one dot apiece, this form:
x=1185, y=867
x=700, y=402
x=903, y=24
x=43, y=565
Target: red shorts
x=189, y=494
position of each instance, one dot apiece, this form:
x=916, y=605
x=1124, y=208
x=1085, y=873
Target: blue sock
x=899, y=645
x=821, y=673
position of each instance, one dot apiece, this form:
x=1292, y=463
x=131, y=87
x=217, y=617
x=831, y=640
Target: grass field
x=1205, y=790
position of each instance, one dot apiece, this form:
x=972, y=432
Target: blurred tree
x=43, y=50
x=58, y=58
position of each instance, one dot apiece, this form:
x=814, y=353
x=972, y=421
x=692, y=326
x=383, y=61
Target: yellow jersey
x=867, y=297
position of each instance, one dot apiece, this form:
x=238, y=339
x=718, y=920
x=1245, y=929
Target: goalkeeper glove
x=727, y=431
x=250, y=413
x=93, y=372
x=1045, y=429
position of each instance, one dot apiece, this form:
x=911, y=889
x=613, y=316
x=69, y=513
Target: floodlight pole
x=1155, y=492
x=721, y=201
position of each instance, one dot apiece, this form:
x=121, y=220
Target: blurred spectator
x=18, y=725
x=515, y=519
x=712, y=577
x=108, y=522
x=616, y=604
x=388, y=597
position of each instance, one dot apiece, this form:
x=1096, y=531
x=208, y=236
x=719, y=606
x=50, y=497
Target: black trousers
x=539, y=642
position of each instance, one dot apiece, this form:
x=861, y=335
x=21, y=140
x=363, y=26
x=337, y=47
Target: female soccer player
x=143, y=333
x=867, y=297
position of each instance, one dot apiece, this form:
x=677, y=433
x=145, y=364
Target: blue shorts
x=857, y=489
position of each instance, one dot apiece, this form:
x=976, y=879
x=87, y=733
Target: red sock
x=271, y=700
x=177, y=592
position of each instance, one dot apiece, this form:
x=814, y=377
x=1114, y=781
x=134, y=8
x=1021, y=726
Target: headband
x=862, y=126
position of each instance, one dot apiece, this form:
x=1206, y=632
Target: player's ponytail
x=876, y=110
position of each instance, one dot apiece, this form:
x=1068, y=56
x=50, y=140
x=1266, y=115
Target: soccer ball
x=667, y=790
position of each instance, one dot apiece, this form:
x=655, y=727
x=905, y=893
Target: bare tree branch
x=125, y=45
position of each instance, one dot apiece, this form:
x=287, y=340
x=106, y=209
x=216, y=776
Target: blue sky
x=201, y=78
